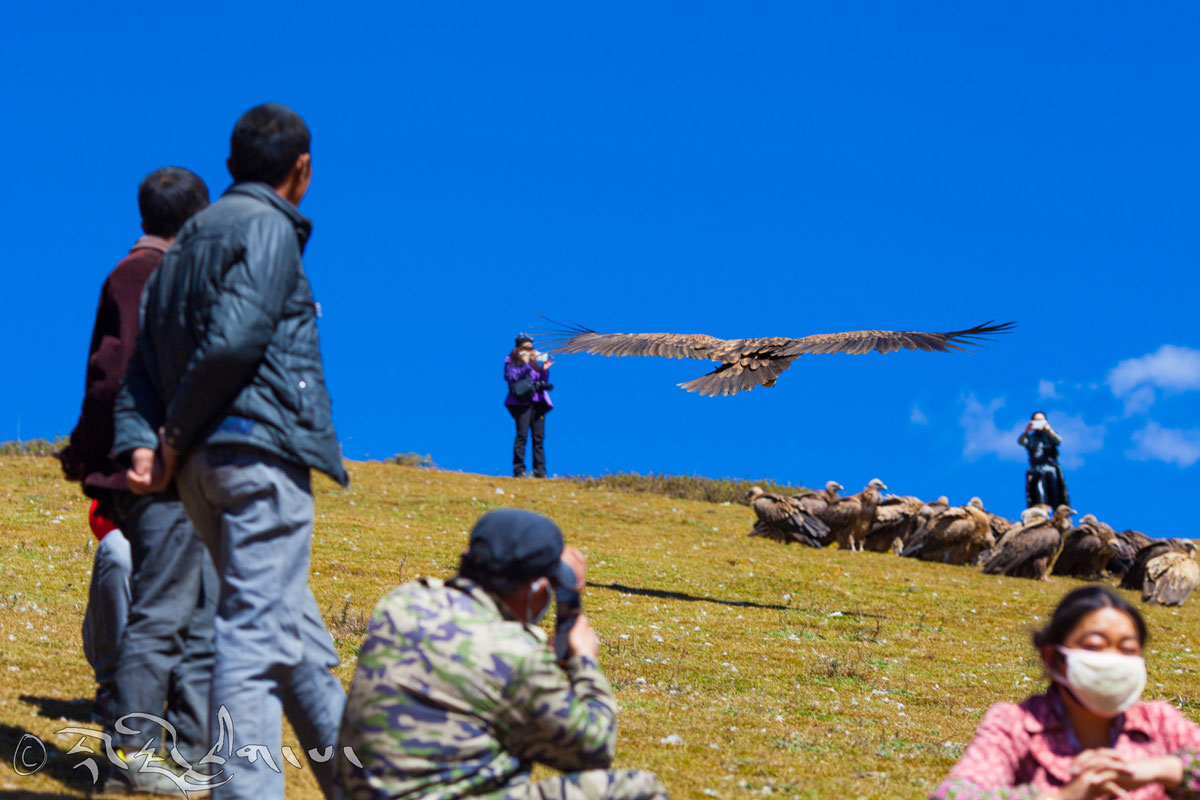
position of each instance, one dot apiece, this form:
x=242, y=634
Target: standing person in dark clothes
x=226, y=383
x=527, y=373
x=165, y=655
x=1044, y=482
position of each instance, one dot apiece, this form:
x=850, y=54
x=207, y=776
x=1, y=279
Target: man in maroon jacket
x=164, y=659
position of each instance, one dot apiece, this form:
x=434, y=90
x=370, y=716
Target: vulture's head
x=975, y=502
x=754, y=492
x=833, y=487
x=1064, y=513
x=1089, y=519
x=877, y=485
x=1189, y=547
x=944, y=500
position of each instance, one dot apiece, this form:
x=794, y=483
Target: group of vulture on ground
x=1043, y=542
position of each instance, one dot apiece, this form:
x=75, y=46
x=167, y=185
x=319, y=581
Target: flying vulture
x=1129, y=544
x=1031, y=550
x=1165, y=571
x=785, y=520
x=955, y=536
x=746, y=363
x=849, y=518
x=1087, y=550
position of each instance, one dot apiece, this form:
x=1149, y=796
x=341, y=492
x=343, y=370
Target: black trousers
x=529, y=418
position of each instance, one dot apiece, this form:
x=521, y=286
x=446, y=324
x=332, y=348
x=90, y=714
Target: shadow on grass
x=56, y=708
x=29, y=756
x=664, y=594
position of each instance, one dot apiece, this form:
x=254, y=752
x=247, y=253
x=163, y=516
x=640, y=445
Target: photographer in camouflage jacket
x=457, y=693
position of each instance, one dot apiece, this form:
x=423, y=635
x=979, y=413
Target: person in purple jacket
x=527, y=373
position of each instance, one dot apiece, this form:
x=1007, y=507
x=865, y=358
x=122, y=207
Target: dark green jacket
x=228, y=350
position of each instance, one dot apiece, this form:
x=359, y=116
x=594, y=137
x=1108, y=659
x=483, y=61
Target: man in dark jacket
x=227, y=384
x=165, y=653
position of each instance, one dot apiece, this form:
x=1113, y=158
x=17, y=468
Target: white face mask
x=1104, y=683
x=540, y=585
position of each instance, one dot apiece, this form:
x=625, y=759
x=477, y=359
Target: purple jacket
x=515, y=371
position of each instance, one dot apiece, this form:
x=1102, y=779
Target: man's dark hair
x=266, y=142
x=1034, y=414
x=1078, y=604
x=169, y=196
x=500, y=585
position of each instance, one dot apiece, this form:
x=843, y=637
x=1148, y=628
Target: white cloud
x=1047, y=390
x=917, y=417
x=983, y=438
x=1172, y=445
x=1139, y=401
x=1171, y=368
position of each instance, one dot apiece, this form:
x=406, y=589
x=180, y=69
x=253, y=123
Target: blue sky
x=740, y=170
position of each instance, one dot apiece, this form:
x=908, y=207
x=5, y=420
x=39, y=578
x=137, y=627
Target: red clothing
x=1026, y=750
x=101, y=526
x=115, y=331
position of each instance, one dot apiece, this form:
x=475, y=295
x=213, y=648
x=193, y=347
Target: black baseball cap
x=519, y=545
x=522, y=338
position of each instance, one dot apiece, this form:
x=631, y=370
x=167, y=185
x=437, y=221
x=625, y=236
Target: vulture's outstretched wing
x=857, y=342
x=578, y=339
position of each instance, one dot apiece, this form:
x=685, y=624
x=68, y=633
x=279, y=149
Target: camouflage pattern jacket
x=453, y=697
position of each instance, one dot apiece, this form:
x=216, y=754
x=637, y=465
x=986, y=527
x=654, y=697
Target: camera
x=568, y=605
x=1038, y=424
x=543, y=386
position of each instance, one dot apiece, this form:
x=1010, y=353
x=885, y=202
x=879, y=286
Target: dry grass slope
x=806, y=673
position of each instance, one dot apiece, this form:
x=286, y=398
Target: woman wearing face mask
x=1044, y=481
x=527, y=373
x=1087, y=736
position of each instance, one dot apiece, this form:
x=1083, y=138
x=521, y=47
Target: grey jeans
x=165, y=657
x=106, y=616
x=255, y=513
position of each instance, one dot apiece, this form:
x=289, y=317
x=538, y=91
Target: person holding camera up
x=1044, y=482
x=527, y=373
x=458, y=694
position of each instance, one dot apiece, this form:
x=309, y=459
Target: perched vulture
x=746, y=363
x=1087, y=549
x=1172, y=576
x=849, y=518
x=815, y=502
x=955, y=536
x=926, y=513
x=785, y=520
x=1031, y=550
x=1129, y=544
x=894, y=524
x=1040, y=511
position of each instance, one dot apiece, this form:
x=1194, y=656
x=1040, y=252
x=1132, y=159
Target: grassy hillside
x=742, y=667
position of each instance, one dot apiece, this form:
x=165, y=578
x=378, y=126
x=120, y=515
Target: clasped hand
x=1105, y=773
x=152, y=470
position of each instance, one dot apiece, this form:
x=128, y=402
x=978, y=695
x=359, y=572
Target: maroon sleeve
x=114, y=335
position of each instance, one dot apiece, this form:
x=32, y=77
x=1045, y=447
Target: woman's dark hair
x=266, y=142
x=1034, y=414
x=168, y=197
x=1078, y=604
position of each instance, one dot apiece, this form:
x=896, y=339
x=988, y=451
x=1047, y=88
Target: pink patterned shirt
x=1026, y=751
